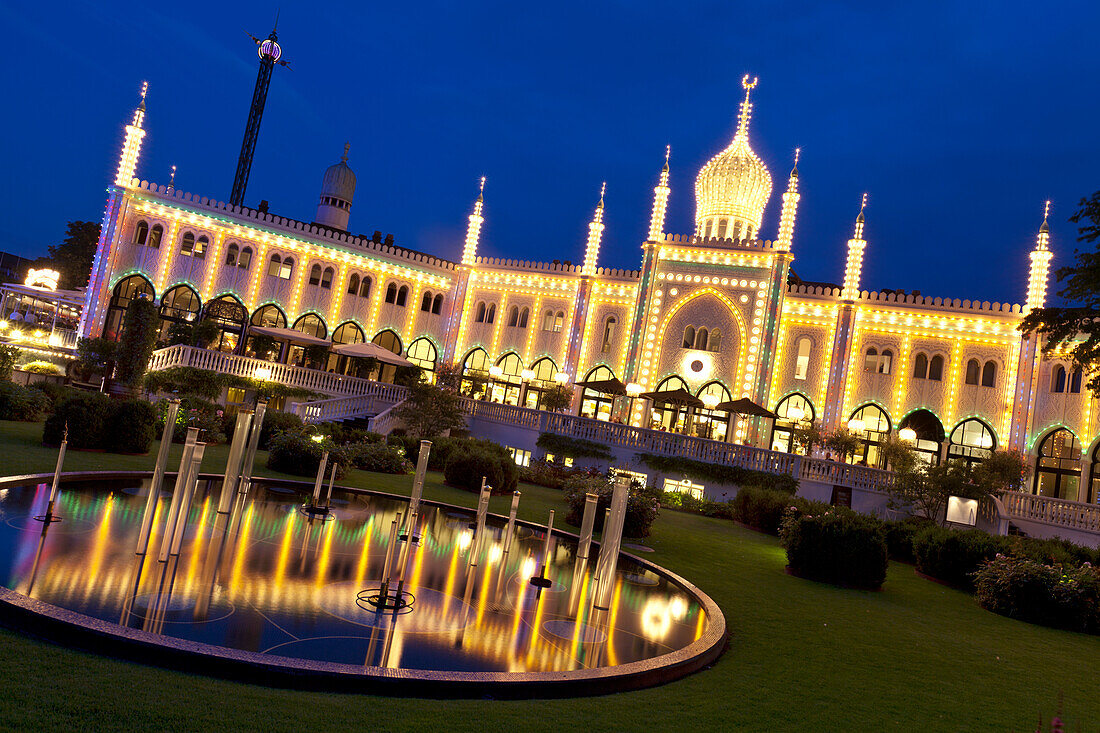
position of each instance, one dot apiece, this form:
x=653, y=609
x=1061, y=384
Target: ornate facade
x=717, y=314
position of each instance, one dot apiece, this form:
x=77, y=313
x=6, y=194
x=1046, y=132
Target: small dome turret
x=337, y=193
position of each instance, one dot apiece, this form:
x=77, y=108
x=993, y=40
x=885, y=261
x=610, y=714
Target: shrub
x=718, y=474
x=378, y=457
x=545, y=473
x=8, y=356
x=275, y=423
x=465, y=468
x=642, y=506
x=22, y=403
x=1043, y=594
x=688, y=503
x=563, y=445
x=297, y=454
x=899, y=538
x=838, y=547
x=953, y=556
x=42, y=367
x=764, y=509
x=139, y=335
x=98, y=422
x=131, y=427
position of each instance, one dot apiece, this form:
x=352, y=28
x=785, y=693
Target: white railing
x=1062, y=512
x=345, y=408
x=244, y=366
x=385, y=421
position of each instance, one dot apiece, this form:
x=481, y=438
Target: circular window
x=697, y=366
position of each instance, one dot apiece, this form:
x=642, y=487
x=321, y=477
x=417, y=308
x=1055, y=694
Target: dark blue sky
x=958, y=118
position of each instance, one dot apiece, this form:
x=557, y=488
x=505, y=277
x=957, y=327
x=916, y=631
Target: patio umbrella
x=746, y=407
x=679, y=396
x=605, y=386
x=367, y=350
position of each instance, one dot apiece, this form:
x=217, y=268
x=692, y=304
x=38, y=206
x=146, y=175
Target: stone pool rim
x=86, y=633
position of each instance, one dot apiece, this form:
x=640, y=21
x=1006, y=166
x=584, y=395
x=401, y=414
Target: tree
x=843, y=442
x=73, y=257
x=204, y=332
x=448, y=375
x=430, y=411
x=263, y=346
x=898, y=455
x=95, y=356
x=807, y=435
x=926, y=489
x=557, y=398
x=8, y=356
x=139, y=335
x=1074, y=328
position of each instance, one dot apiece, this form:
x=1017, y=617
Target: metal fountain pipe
x=177, y=490
x=158, y=476
x=510, y=529
x=609, y=543
x=479, y=531
x=185, y=504
x=384, y=591
x=253, y=443
x=588, y=523
x=418, y=477
x=404, y=561
x=56, y=486
x=546, y=545
x=331, y=478
x=320, y=477
x=233, y=463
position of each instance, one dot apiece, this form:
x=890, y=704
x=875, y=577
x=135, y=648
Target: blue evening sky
x=959, y=118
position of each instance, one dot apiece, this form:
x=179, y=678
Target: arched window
x=402, y=295
x=391, y=293
x=315, y=275
x=870, y=360
x=595, y=404
x=326, y=278
x=548, y=320
x=155, y=235
x=491, y=314
x=275, y=266
x=929, y=432
x=513, y=316
x=230, y=316
x=437, y=304
x=426, y=302
x=559, y=321
x=723, y=225
x=200, y=248
x=245, y=259
x=543, y=373
x=423, y=353
x=710, y=227
x=507, y=386
x=689, y=337
x=141, y=232
x=187, y=244
x=523, y=316
x=885, y=361
x=989, y=374
x=701, y=339
x=479, y=316
x=712, y=424
x=971, y=441
x=1058, y=467
x=126, y=290
x=871, y=424
x=287, y=270
x=231, y=253
x=793, y=412
x=668, y=415
x=715, y=342
x=311, y=324
x=475, y=373
x=802, y=358
x=935, y=368
x=388, y=340
x=364, y=287
x=1058, y=379
x=269, y=316
x=920, y=366
x=608, y=333
x=973, y=371
x=353, y=284
x=348, y=333
x=181, y=304
x=1075, y=381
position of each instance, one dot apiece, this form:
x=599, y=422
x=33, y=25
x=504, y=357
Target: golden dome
x=734, y=186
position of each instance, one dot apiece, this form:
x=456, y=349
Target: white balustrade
x=1062, y=512
x=385, y=421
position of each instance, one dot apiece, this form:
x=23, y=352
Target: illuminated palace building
x=709, y=318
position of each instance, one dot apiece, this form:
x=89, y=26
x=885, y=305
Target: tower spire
x=660, y=202
x=595, y=233
x=172, y=178
x=854, y=267
x=790, y=207
x=344, y=157
x=1041, y=256
x=473, y=230
x=745, y=113
x=131, y=146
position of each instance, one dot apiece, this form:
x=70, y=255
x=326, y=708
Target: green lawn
x=805, y=656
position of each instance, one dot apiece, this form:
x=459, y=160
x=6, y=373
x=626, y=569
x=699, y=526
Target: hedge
x=837, y=547
x=26, y=404
x=642, y=506
x=765, y=509
x=1043, y=594
x=97, y=422
x=719, y=474
x=563, y=445
x=299, y=455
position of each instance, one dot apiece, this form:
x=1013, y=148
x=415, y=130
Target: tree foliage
x=1074, y=327
x=73, y=257
x=429, y=411
x=96, y=355
x=843, y=442
x=8, y=356
x=926, y=489
x=557, y=398
x=139, y=335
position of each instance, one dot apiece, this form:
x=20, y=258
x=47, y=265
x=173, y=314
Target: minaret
x=131, y=148
x=854, y=266
x=269, y=52
x=595, y=233
x=790, y=208
x=1040, y=265
x=660, y=203
x=337, y=193
x=473, y=230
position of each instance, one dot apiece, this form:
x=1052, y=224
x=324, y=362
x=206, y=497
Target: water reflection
x=268, y=578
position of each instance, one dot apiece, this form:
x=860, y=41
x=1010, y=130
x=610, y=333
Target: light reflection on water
x=270, y=579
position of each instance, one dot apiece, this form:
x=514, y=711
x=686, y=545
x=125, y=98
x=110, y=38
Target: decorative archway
x=126, y=290
x=269, y=316
x=230, y=316
x=543, y=372
x=713, y=424
x=739, y=337
x=423, y=353
x=929, y=432
x=872, y=425
x=178, y=305
x=597, y=405
x=1058, y=466
x=475, y=373
x=508, y=383
x=972, y=441
x=665, y=416
x=793, y=412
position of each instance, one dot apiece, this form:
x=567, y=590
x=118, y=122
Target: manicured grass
x=802, y=656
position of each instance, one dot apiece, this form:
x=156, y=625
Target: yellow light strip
x=498, y=325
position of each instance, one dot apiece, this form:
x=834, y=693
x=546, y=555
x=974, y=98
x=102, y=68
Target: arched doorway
x=665, y=416
x=597, y=405
x=390, y=341
x=179, y=305
x=269, y=316
x=872, y=425
x=543, y=372
x=346, y=333
x=793, y=412
x=475, y=374
x=423, y=353
x=229, y=315
x=929, y=432
x=266, y=316
x=1058, y=467
x=971, y=441
x=713, y=424
x=507, y=380
x=125, y=291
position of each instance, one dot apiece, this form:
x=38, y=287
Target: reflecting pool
x=273, y=580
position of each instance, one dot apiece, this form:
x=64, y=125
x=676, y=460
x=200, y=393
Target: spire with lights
x=131, y=147
x=790, y=208
x=854, y=267
x=1040, y=265
x=473, y=231
x=660, y=202
x=595, y=233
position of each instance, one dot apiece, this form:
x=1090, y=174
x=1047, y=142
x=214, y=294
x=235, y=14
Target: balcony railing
x=347, y=408
x=1061, y=512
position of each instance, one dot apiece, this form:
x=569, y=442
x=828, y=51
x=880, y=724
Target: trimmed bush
x=688, y=503
x=545, y=473
x=642, y=506
x=563, y=445
x=1042, y=594
x=765, y=510
x=17, y=402
x=953, y=556
x=42, y=367
x=899, y=538
x=55, y=393
x=465, y=469
x=843, y=548
x=378, y=457
x=97, y=422
x=297, y=454
x=278, y=422
x=131, y=427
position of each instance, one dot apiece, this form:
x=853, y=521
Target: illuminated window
x=315, y=275
x=684, y=486
x=595, y=404
x=491, y=314
x=312, y=325
x=231, y=253
x=187, y=244
x=608, y=333
x=125, y=291
x=920, y=366
x=388, y=340
x=689, y=337
x=723, y=224
x=701, y=339
x=641, y=478
x=973, y=371
x=989, y=374
x=364, y=287
x=870, y=360
x=793, y=412
x=885, y=361
x=348, y=333
x=935, y=368
x=802, y=358
x=714, y=344
x=201, y=244
x=520, y=456
x=423, y=353
x=353, y=284
x=391, y=293
x=155, y=235
x=326, y=278
x=929, y=435
x=235, y=395
x=269, y=316
x=559, y=321
x=275, y=266
x=872, y=434
x=1058, y=467
x=710, y=226
x=141, y=232
x=523, y=316
x=245, y=259
x=437, y=304
x=971, y=441
x=402, y=295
